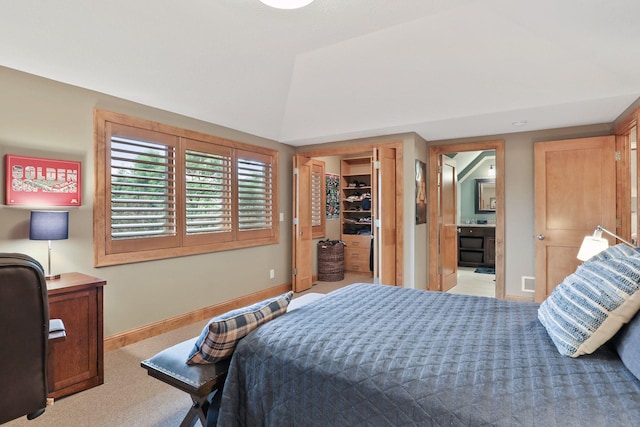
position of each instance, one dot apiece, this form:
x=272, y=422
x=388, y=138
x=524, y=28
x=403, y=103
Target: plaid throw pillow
x=219, y=337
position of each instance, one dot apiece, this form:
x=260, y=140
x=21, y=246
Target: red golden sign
x=35, y=181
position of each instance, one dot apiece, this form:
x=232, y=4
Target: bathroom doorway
x=485, y=215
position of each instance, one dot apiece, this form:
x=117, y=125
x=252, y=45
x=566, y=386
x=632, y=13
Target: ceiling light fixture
x=519, y=123
x=287, y=4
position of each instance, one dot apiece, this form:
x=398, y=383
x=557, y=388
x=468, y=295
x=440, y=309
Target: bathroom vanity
x=477, y=245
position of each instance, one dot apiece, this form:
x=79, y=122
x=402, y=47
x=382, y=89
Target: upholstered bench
x=199, y=381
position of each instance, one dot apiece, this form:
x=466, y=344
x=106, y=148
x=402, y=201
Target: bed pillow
x=627, y=344
x=620, y=250
x=221, y=334
x=592, y=304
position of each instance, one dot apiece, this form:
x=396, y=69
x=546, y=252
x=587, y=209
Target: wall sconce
x=492, y=171
x=593, y=245
x=49, y=225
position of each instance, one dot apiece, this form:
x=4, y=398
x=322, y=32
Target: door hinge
x=295, y=171
x=376, y=164
x=295, y=221
x=618, y=223
x=294, y=271
x=618, y=156
x=377, y=223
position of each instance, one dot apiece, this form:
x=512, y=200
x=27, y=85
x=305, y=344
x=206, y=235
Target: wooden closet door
x=387, y=233
x=301, y=277
x=575, y=190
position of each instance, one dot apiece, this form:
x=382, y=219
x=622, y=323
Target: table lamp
x=49, y=225
x=593, y=245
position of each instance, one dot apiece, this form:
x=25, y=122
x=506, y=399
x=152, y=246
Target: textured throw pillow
x=627, y=344
x=219, y=337
x=592, y=304
x=617, y=251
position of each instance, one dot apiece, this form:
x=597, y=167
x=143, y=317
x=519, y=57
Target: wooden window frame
x=109, y=251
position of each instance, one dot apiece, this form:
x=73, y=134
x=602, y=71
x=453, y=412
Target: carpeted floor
x=129, y=397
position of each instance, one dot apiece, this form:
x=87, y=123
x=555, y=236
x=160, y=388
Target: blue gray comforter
x=373, y=355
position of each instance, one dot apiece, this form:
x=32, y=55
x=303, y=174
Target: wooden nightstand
x=77, y=363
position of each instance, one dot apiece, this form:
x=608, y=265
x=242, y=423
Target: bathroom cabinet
x=476, y=246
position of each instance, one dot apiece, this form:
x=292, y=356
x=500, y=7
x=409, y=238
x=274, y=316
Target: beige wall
x=332, y=226
x=412, y=237
x=519, y=196
x=420, y=268
x=39, y=117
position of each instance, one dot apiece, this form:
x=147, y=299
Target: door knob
x=540, y=236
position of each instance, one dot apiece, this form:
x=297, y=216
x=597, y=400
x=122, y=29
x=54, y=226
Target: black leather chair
x=24, y=336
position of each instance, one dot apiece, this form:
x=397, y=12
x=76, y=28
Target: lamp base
x=52, y=276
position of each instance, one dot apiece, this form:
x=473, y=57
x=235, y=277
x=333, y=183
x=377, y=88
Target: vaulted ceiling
x=340, y=69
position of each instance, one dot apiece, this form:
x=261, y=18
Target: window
x=165, y=192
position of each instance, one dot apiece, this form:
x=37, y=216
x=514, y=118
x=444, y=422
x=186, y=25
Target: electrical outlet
x=272, y=274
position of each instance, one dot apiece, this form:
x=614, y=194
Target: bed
x=375, y=355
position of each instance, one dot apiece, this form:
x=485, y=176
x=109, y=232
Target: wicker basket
x=330, y=261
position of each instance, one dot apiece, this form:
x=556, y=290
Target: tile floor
x=470, y=283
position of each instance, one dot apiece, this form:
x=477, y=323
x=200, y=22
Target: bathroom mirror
x=485, y=195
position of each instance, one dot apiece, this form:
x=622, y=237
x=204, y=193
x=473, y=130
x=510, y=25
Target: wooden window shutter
x=255, y=195
x=318, y=198
x=142, y=183
x=208, y=193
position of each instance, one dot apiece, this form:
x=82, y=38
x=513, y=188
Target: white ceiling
x=340, y=69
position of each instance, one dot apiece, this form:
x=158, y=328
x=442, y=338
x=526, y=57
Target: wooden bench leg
x=203, y=409
x=199, y=381
x=198, y=411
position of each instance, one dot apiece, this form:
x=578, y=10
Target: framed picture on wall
x=421, y=192
x=333, y=196
x=34, y=181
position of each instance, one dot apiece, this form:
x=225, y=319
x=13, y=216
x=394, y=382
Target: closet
x=356, y=213
x=365, y=191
